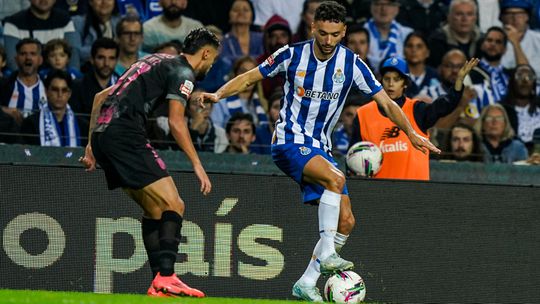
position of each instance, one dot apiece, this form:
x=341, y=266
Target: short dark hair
x=129, y=18
x=418, y=35
x=198, y=38
x=54, y=44
x=60, y=74
x=239, y=116
x=26, y=41
x=104, y=43
x=497, y=29
x=356, y=28
x=331, y=11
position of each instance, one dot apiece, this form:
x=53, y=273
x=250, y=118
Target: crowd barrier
x=415, y=242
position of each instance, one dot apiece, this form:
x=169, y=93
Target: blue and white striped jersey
x=315, y=91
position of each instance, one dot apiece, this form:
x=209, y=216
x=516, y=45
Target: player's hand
x=206, y=185
x=88, y=160
x=421, y=143
x=207, y=97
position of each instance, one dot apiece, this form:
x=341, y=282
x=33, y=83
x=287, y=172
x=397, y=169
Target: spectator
x=452, y=61
x=523, y=104
x=129, y=35
x=515, y=15
x=171, y=25
x=247, y=101
x=357, y=39
x=241, y=133
x=277, y=34
x=42, y=22
x=23, y=92
x=10, y=7
x=55, y=124
x=100, y=21
x=423, y=16
x=463, y=144
x=57, y=53
x=461, y=32
x=494, y=128
x=240, y=40
x=344, y=129
x=206, y=135
x=103, y=57
x=263, y=138
x=4, y=70
x=490, y=78
x=385, y=33
x=416, y=53
x=289, y=10
x=171, y=48
x=400, y=159
x=303, y=32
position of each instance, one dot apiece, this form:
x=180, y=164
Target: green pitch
x=49, y=297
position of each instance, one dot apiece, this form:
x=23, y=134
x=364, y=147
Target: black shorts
x=128, y=159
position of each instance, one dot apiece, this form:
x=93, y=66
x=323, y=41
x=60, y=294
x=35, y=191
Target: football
x=364, y=158
x=345, y=287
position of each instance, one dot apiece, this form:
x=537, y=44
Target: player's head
x=328, y=27
x=204, y=45
x=394, y=76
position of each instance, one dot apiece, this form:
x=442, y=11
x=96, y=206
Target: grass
x=8, y=296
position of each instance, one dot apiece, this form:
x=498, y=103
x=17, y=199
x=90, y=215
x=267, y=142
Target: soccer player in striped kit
x=319, y=73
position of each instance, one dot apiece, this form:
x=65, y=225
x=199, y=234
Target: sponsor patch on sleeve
x=186, y=88
x=270, y=59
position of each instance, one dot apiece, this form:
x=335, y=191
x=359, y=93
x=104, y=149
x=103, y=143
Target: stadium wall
x=418, y=242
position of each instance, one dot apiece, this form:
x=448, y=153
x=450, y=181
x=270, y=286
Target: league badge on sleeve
x=186, y=88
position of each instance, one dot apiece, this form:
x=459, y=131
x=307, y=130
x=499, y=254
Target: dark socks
x=169, y=239
x=150, y=233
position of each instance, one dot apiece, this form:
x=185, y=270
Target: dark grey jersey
x=151, y=80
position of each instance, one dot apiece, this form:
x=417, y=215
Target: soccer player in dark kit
x=118, y=142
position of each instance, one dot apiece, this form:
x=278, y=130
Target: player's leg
x=346, y=222
x=161, y=200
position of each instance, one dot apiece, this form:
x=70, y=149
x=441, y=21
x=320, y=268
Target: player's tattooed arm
x=96, y=106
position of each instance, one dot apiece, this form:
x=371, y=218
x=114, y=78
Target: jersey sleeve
x=180, y=84
x=276, y=62
x=363, y=78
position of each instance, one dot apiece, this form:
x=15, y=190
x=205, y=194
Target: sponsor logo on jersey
x=186, y=88
x=398, y=146
x=270, y=60
x=304, y=150
x=300, y=91
x=392, y=132
x=338, y=76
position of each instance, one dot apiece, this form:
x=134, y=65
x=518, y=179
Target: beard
x=200, y=75
x=491, y=58
x=172, y=12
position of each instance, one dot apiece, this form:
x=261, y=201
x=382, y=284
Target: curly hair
x=331, y=11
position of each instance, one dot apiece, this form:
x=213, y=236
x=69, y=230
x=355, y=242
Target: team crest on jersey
x=338, y=76
x=304, y=150
x=186, y=88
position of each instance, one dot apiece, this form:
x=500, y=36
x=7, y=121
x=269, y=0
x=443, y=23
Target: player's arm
x=394, y=112
x=180, y=132
x=88, y=159
x=236, y=85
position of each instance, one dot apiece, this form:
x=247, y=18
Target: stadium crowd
x=55, y=55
